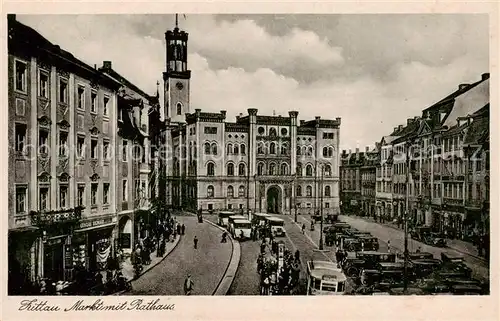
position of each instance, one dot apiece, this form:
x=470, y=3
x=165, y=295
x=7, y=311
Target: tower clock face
x=179, y=85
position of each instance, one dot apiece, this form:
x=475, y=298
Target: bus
x=241, y=229
x=231, y=219
x=277, y=225
x=259, y=218
x=325, y=278
x=223, y=216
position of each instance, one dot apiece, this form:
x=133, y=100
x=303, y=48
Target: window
x=105, y=193
x=120, y=114
x=230, y=192
x=230, y=169
x=327, y=205
x=105, y=110
x=327, y=191
x=272, y=132
x=125, y=151
x=43, y=137
x=63, y=143
x=81, y=195
x=328, y=170
x=241, y=191
x=93, y=102
x=284, y=131
x=214, y=149
x=478, y=165
x=284, y=169
x=125, y=190
x=330, y=151
x=242, y=149
x=327, y=135
x=272, y=148
x=298, y=151
x=63, y=196
x=105, y=150
x=81, y=97
x=80, y=146
x=309, y=151
x=299, y=190
x=210, y=130
x=21, y=199
x=236, y=149
x=241, y=170
x=272, y=169
x=299, y=170
x=44, y=198
x=260, y=169
x=309, y=170
x=43, y=85
x=229, y=206
x=20, y=137
x=284, y=149
x=260, y=148
x=308, y=191
x=325, y=151
x=210, y=191
x=93, y=194
x=20, y=68
x=229, y=149
x=210, y=169
x=179, y=109
x=93, y=149
x=63, y=91
x=261, y=130
x=207, y=148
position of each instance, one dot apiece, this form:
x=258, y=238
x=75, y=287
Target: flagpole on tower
x=176, y=20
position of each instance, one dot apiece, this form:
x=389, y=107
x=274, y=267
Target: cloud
x=373, y=71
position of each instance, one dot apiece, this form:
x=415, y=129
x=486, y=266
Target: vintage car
x=409, y=291
x=466, y=289
x=369, y=277
x=351, y=244
x=316, y=217
x=391, y=275
x=369, y=243
x=424, y=267
x=366, y=260
x=427, y=236
x=331, y=218
x=455, y=263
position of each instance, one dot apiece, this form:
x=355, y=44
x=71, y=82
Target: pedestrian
x=183, y=229
x=303, y=228
x=178, y=229
x=195, y=242
x=389, y=246
x=188, y=285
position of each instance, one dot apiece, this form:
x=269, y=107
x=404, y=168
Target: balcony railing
x=56, y=217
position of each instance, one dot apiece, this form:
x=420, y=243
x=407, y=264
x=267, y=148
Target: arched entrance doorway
x=274, y=201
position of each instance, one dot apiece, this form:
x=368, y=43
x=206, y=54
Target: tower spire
x=176, y=21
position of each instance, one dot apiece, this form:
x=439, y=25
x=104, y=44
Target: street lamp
x=321, y=209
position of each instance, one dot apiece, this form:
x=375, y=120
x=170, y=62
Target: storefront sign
x=95, y=223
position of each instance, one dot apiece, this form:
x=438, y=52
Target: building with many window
x=268, y=164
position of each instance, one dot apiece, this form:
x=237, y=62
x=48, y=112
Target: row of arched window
x=272, y=169
x=236, y=149
x=210, y=149
x=327, y=170
x=230, y=169
x=304, y=150
x=262, y=148
x=327, y=192
x=230, y=191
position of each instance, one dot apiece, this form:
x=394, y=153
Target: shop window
x=21, y=73
x=93, y=193
x=21, y=196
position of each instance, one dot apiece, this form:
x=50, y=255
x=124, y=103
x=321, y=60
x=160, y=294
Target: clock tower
x=176, y=77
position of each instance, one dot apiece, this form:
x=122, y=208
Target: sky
x=372, y=70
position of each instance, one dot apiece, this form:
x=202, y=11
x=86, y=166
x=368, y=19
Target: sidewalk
x=128, y=269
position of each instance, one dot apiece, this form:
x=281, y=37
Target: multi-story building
x=265, y=163
x=351, y=181
x=71, y=131
x=368, y=181
x=62, y=124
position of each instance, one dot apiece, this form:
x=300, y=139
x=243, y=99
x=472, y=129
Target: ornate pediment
x=64, y=124
x=44, y=177
x=94, y=131
x=63, y=73
x=95, y=177
x=64, y=177
x=44, y=121
x=44, y=66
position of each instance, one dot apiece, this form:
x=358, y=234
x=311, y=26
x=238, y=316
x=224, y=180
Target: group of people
x=275, y=279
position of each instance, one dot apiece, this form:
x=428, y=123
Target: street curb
x=177, y=240
x=232, y=267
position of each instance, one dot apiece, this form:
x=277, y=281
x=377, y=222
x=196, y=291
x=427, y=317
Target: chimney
x=462, y=86
x=241, y=114
x=367, y=149
x=357, y=150
x=485, y=76
x=350, y=151
x=395, y=129
x=400, y=127
x=223, y=113
x=106, y=64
